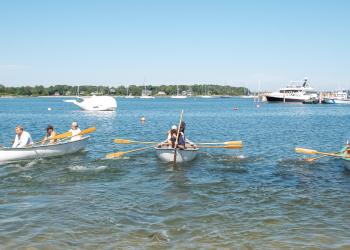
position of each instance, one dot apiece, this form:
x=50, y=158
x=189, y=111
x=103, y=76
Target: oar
x=314, y=152
x=69, y=134
x=320, y=157
x=226, y=146
x=121, y=153
x=224, y=143
x=127, y=141
x=177, y=137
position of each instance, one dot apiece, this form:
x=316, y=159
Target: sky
x=238, y=43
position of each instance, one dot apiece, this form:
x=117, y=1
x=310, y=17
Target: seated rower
x=75, y=130
x=22, y=139
x=50, y=132
x=172, y=134
x=347, y=149
x=182, y=138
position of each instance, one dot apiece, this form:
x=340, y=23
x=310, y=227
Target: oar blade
x=305, y=151
x=233, y=146
x=122, y=141
x=88, y=130
x=233, y=143
x=114, y=155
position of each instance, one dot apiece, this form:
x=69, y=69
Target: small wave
x=160, y=236
x=80, y=168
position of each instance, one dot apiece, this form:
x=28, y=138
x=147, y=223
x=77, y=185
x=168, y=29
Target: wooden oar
x=226, y=146
x=224, y=143
x=69, y=134
x=320, y=157
x=314, y=152
x=121, y=153
x=177, y=136
x=126, y=141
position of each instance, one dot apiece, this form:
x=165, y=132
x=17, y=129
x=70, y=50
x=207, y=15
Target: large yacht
x=293, y=93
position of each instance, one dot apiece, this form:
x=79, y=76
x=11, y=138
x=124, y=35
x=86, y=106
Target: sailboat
x=127, y=93
x=95, y=103
x=144, y=94
x=206, y=93
x=177, y=96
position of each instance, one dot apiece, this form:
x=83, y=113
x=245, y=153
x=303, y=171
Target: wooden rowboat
x=42, y=151
x=166, y=153
x=346, y=158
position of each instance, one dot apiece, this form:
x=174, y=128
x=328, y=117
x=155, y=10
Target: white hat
x=173, y=127
x=74, y=124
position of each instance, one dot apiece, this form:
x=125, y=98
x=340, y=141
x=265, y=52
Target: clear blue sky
x=166, y=42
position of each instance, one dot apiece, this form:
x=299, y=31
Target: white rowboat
x=42, y=151
x=166, y=153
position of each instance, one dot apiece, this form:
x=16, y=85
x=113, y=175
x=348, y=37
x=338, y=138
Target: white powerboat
x=293, y=93
x=341, y=97
x=95, y=103
x=42, y=151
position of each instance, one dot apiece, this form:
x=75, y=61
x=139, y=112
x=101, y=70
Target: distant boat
x=95, y=103
x=206, y=95
x=311, y=101
x=342, y=97
x=144, y=94
x=293, y=93
x=177, y=96
x=328, y=101
x=127, y=93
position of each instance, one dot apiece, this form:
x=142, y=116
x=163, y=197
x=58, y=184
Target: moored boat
x=42, y=151
x=293, y=93
x=95, y=103
x=166, y=153
x=328, y=101
x=311, y=101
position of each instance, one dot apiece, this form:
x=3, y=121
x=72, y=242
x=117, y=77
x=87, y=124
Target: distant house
x=56, y=93
x=161, y=93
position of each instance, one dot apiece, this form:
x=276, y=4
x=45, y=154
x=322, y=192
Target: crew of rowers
x=23, y=138
x=176, y=137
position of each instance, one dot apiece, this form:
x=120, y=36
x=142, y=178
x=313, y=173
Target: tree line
x=167, y=90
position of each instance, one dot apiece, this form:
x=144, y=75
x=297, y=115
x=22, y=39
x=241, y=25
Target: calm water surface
x=261, y=197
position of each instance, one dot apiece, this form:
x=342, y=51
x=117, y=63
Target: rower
x=75, y=130
x=22, y=139
x=172, y=136
x=182, y=138
x=50, y=132
x=347, y=149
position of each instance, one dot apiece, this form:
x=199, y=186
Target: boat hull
x=167, y=155
x=270, y=98
x=96, y=103
x=346, y=163
x=46, y=151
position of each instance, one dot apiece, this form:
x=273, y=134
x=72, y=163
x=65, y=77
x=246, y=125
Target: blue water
x=262, y=197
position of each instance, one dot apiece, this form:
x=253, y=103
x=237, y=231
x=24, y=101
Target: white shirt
x=75, y=133
x=22, y=141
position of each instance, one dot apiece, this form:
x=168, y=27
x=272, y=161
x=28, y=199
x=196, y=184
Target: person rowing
x=347, y=149
x=75, y=130
x=172, y=136
x=50, y=132
x=22, y=138
x=182, y=138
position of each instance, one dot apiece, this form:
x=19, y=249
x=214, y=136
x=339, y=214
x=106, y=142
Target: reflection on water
x=264, y=196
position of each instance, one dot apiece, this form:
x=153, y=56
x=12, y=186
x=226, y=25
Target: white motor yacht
x=293, y=93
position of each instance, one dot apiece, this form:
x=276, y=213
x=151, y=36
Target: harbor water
x=261, y=197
